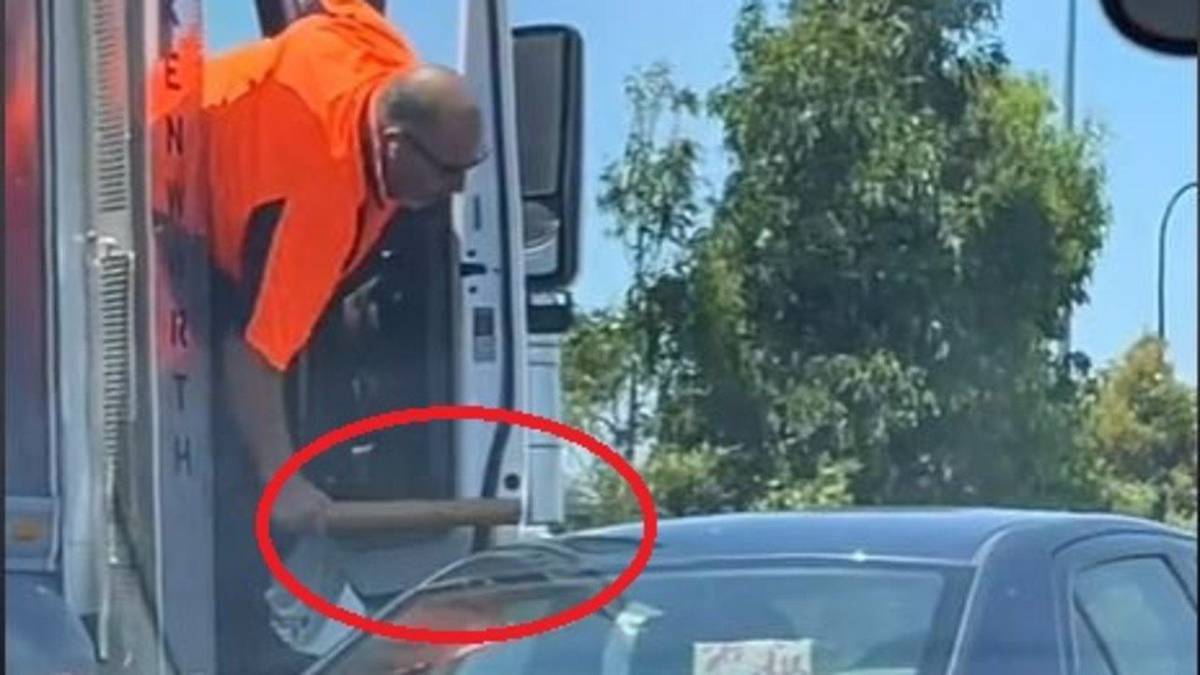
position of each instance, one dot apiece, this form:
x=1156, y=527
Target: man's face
x=425, y=166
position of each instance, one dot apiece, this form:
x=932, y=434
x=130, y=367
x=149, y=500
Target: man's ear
x=393, y=157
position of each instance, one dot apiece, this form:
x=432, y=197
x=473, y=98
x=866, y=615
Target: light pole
x=1069, y=79
x=1069, y=114
x=1162, y=260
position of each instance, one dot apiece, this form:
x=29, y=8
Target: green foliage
x=597, y=497
x=651, y=191
x=681, y=480
x=1141, y=437
x=598, y=356
x=872, y=309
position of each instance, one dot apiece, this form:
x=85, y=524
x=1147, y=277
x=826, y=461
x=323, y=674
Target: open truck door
x=448, y=297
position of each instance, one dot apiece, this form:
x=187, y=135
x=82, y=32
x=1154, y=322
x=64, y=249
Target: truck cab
x=109, y=488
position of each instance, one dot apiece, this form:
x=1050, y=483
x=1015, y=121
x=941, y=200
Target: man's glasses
x=432, y=158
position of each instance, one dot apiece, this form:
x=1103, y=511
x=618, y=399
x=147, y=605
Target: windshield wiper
x=565, y=551
x=454, y=578
x=517, y=553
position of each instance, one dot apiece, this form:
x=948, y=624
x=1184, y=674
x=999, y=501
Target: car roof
x=947, y=536
x=954, y=535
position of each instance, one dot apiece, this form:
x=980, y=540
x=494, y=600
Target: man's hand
x=301, y=507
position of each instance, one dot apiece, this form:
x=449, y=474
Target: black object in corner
x=1118, y=17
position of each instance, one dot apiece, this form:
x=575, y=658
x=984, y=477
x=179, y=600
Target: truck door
x=446, y=283
x=407, y=359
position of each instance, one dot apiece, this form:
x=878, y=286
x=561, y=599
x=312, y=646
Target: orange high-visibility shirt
x=284, y=118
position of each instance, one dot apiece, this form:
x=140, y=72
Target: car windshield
x=827, y=619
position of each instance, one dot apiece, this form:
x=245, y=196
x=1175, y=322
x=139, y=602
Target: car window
x=1090, y=657
x=1141, y=615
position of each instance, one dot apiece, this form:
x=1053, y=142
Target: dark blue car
x=854, y=592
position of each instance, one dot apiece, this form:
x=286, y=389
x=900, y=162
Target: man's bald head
x=443, y=127
x=429, y=96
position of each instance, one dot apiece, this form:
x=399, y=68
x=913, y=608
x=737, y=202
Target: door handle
x=468, y=269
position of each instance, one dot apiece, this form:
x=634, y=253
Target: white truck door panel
x=491, y=461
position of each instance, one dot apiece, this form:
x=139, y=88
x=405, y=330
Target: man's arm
x=255, y=394
x=299, y=275
x=288, y=290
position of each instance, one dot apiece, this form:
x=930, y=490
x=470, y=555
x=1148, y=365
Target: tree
x=1140, y=434
x=598, y=362
x=870, y=312
x=652, y=194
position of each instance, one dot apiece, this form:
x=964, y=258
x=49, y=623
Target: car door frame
x=1111, y=547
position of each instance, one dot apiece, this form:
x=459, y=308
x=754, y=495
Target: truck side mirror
x=548, y=64
x=1164, y=26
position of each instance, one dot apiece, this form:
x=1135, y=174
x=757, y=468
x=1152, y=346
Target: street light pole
x=1069, y=114
x=1162, y=260
x=1069, y=79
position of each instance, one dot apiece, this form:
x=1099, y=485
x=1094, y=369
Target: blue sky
x=1146, y=104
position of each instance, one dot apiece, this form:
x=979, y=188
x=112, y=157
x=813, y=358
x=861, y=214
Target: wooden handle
x=374, y=517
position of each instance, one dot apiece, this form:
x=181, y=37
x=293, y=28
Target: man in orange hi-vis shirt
x=316, y=137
